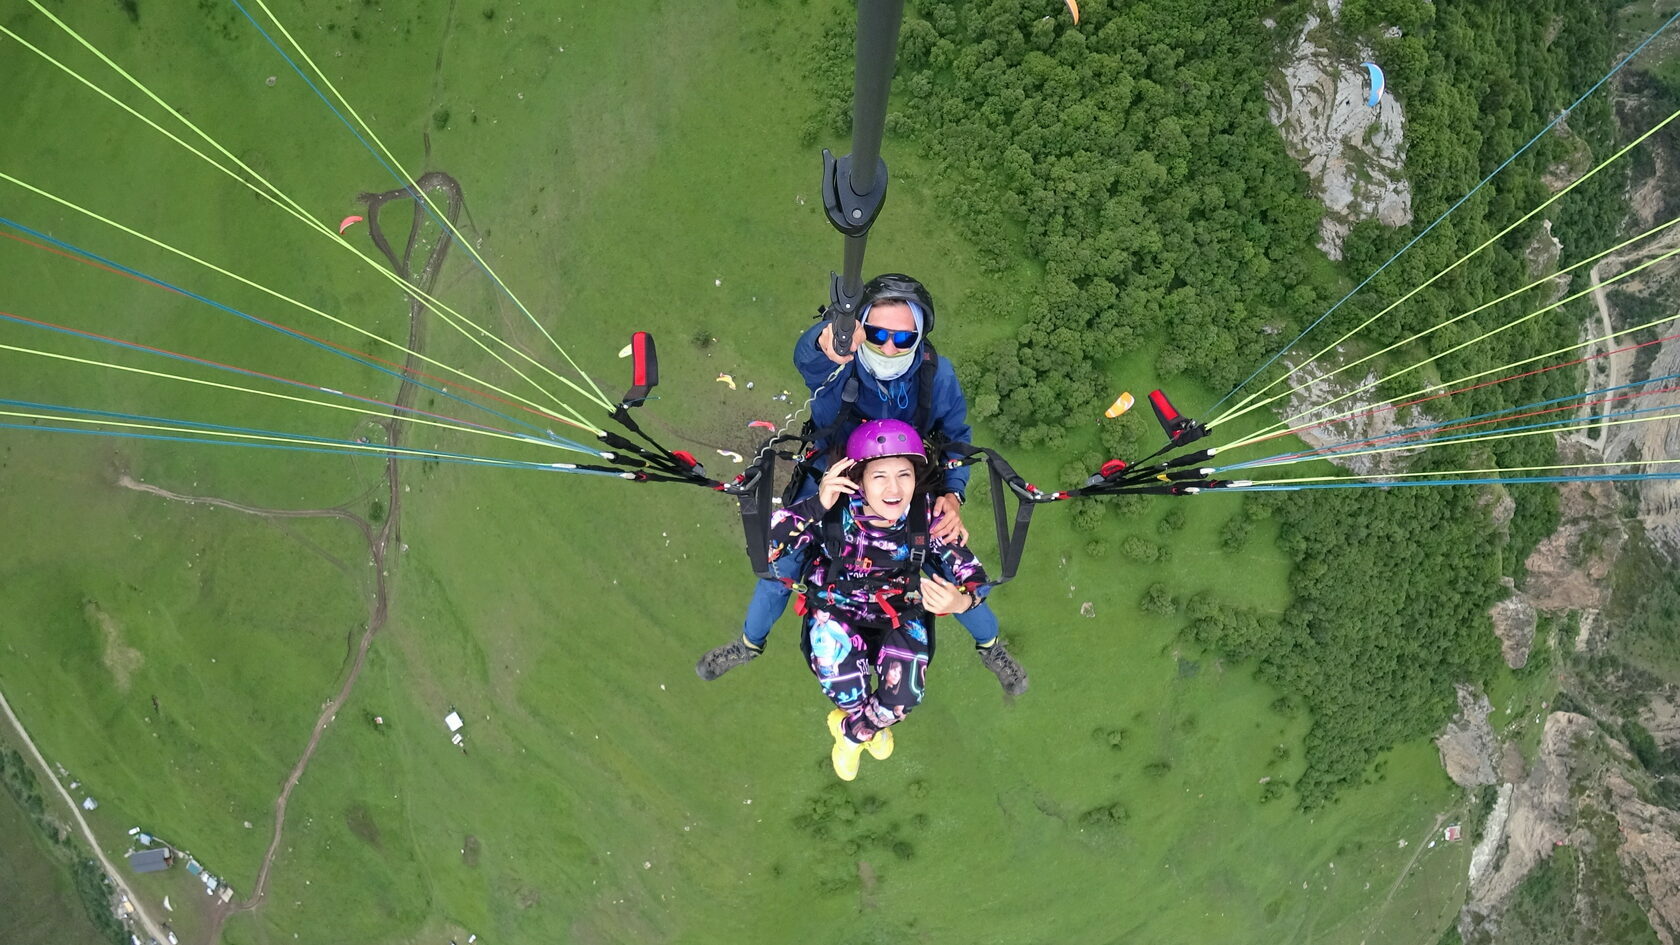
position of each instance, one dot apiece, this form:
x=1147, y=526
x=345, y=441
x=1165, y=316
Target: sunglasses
x=879, y=336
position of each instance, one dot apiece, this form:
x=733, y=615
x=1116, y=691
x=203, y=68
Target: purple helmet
x=878, y=438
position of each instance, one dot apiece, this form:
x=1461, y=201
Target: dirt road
x=379, y=542
x=141, y=916
x=1619, y=361
x=1659, y=499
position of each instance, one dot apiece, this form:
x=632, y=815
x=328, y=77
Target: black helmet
x=900, y=287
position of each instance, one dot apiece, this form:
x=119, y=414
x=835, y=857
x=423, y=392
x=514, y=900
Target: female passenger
x=874, y=580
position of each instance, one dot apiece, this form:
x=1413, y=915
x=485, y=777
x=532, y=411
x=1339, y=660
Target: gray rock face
x=1467, y=746
x=1482, y=857
x=1330, y=405
x=1580, y=773
x=1514, y=619
x=1570, y=569
x=1661, y=716
x=1354, y=154
x=1650, y=850
x=1539, y=808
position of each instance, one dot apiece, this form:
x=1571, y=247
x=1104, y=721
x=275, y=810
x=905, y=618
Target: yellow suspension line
x=575, y=420
x=90, y=362
x=1290, y=421
x=395, y=163
x=1421, y=445
x=1466, y=314
x=296, y=210
x=257, y=437
x=1246, y=405
x=1470, y=472
x=465, y=243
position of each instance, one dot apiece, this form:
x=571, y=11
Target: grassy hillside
x=38, y=902
x=619, y=163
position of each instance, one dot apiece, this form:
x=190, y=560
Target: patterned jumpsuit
x=858, y=616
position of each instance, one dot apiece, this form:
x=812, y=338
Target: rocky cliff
x=1355, y=154
x=1586, y=793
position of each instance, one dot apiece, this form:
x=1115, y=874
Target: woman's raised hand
x=835, y=484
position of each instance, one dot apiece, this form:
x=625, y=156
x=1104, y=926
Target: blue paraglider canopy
x=1377, y=83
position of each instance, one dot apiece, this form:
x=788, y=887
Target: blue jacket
x=890, y=400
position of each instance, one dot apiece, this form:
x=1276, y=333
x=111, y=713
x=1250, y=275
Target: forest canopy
x=1132, y=159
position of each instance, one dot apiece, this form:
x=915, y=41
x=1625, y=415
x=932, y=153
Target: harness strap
x=846, y=417
x=753, y=491
x=881, y=599
x=925, y=377
x=1012, y=541
x=834, y=546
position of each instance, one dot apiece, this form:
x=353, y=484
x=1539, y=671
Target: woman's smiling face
x=888, y=484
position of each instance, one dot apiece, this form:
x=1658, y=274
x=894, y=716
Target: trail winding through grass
x=379, y=541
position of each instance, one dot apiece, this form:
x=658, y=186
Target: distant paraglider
x=1074, y=9
x=1378, y=84
x=347, y=223
x=1121, y=404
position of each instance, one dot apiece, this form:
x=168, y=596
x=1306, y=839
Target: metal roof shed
x=149, y=861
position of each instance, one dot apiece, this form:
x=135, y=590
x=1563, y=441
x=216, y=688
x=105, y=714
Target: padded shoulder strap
x=925, y=376
x=833, y=534
x=918, y=538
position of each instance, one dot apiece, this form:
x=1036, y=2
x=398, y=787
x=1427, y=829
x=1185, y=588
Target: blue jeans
x=770, y=600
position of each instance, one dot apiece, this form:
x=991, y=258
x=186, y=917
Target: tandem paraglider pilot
x=891, y=373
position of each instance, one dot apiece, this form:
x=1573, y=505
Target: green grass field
x=619, y=162
x=38, y=901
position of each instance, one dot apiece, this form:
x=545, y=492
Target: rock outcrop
x=1568, y=569
x=1355, y=154
x=1514, y=619
x=1582, y=777
x=1661, y=717
x=1540, y=815
x=1467, y=746
x=1326, y=411
x=1493, y=836
x=1650, y=851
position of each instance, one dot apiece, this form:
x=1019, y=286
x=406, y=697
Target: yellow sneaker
x=881, y=746
x=846, y=753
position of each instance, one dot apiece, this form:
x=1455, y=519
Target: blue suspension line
x=400, y=178
x=1519, y=152
x=244, y=372
x=509, y=464
x=344, y=446
x=1516, y=429
x=548, y=435
x=1355, y=446
x=1260, y=486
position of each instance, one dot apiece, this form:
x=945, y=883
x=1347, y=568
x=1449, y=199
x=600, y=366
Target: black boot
x=725, y=658
x=1009, y=673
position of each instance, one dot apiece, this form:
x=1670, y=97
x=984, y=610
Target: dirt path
x=329, y=709
x=378, y=541
x=1618, y=362
x=129, y=482
x=1618, y=370
x=1421, y=845
x=1659, y=500
x=140, y=914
